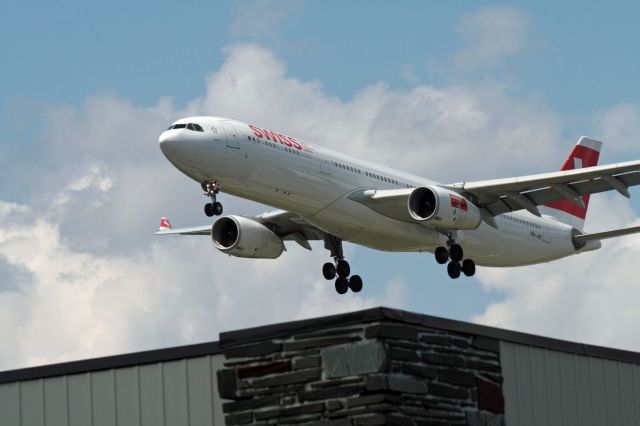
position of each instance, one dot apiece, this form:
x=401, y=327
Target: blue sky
x=531, y=77
x=142, y=50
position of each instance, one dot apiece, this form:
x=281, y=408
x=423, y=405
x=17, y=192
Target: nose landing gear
x=454, y=257
x=211, y=189
x=340, y=268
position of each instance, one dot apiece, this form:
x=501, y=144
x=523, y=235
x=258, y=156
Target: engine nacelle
x=441, y=207
x=242, y=237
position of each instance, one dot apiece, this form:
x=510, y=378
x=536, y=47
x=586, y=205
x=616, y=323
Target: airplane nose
x=165, y=138
x=168, y=141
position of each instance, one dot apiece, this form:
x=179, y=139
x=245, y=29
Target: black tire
x=453, y=269
x=456, y=253
x=442, y=255
x=209, y=210
x=342, y=285
x=217, y=208
x=355, y=283
x=343, y=269
x=329, y=271
x=469, y=267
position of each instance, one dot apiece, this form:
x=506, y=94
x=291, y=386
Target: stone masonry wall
x=384, y=372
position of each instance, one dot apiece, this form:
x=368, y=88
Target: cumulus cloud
x=492, y=34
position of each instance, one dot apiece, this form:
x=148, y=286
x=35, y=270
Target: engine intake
x=437, y=206
x=242, y=237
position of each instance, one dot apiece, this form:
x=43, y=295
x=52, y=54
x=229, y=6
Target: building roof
x=273, y=331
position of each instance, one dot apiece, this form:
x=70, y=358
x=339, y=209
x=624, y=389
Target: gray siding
x=182, y=392
x=546, y=387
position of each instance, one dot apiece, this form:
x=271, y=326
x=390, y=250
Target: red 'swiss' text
x=289, y=141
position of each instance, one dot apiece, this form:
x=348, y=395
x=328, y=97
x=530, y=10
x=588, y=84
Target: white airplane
x=326, y=195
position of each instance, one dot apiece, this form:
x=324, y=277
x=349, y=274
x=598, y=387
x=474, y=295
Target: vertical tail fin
x=164, y=224
x=584, y=154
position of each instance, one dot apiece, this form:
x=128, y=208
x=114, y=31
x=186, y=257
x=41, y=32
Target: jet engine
x=437, y=206
x=242, y=237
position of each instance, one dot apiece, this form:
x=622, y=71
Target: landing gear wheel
x=329, y=271
x=453, y=269
x=441, y=255
x=343, y=269
x=456, y=253
x=342, y=285
x=211, y=189
x=217, y=208
x=469, y=267
x=355, y=283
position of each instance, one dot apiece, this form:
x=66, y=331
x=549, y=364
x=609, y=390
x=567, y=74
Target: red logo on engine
x=458, y=202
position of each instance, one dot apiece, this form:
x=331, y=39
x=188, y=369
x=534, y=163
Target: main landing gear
x=454, y=256
x=211, y=189
x=339, y=268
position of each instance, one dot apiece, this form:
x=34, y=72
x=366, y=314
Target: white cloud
x=491, y=35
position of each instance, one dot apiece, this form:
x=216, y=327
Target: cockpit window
x=191, y=126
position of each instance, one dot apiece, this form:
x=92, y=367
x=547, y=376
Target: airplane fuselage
x=314, y=182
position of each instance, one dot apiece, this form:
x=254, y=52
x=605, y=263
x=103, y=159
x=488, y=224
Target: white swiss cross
x=577, y=163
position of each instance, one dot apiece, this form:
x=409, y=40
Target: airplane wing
x=288, y=226
x=498, y=196
x=196, y=230
x=527, y=192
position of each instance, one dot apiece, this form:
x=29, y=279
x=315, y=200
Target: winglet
x=164, y=224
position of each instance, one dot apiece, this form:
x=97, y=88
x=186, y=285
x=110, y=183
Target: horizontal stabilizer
x=584, y=238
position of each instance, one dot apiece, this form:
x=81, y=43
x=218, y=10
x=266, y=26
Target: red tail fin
x=584, y=154
x=164, y=224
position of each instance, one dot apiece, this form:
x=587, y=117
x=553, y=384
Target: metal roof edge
x=110, y=362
